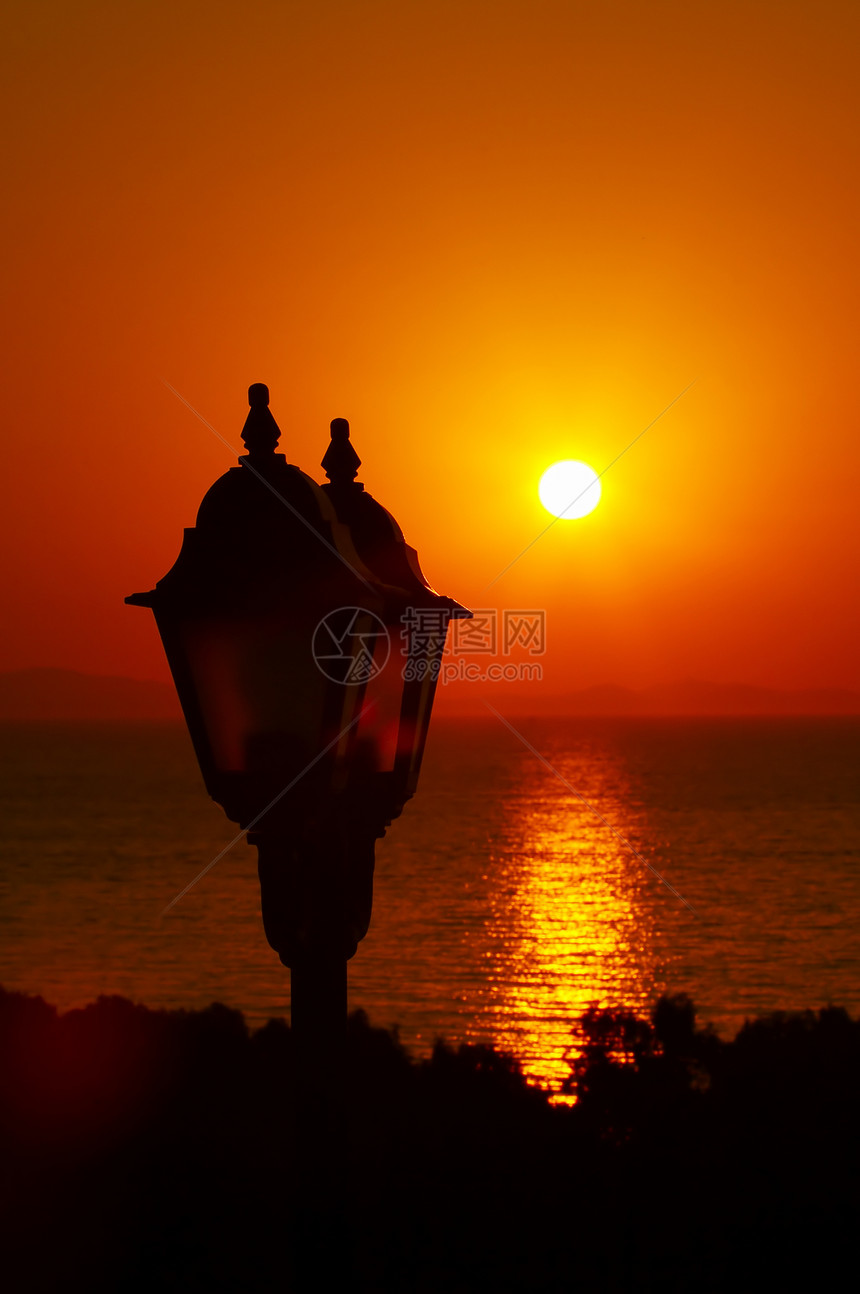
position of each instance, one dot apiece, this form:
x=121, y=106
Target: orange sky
x=491, y=235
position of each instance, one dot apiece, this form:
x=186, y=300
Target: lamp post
x=305, y=645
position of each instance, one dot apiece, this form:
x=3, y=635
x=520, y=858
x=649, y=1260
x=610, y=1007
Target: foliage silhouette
x=154, y=1150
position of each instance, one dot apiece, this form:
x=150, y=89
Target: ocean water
x=607, y=861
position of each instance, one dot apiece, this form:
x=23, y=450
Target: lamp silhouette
x=305, y=644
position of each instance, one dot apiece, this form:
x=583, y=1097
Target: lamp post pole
x=306, y=920
x=321, y=1241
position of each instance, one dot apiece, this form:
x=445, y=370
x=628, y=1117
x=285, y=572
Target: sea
x=542, y=868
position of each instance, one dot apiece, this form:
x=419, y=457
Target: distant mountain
x=64, y=694
x=60, y=694
x=695, y=697
x=687, y=698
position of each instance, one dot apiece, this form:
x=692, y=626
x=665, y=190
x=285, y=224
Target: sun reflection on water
x=572, y=924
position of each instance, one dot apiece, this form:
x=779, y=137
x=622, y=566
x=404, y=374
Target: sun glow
x=569, y=489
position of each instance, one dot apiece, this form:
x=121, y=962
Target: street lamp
x=305, y=645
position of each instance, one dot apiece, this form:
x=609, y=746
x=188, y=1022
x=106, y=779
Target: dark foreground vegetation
x=153, y=1151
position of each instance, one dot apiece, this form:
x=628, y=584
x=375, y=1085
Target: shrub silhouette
x=154, y=1150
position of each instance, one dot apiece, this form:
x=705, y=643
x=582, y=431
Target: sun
x=569, y=489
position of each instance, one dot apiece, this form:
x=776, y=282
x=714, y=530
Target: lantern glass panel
x=379, y=726
x=261, y=698
x=425, y=631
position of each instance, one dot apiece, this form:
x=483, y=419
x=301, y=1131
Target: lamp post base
x=316, y=895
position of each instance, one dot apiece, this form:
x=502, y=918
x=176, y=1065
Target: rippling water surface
x=514, y=892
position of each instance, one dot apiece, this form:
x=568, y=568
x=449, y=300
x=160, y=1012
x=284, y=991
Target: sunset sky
x=491, y=234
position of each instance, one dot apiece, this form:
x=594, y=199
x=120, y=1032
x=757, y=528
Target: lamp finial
x=260, y=433
x=341, y=462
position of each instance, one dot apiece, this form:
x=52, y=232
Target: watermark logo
x=513, y=630
x=494, y=671
x=525, y=629
x=516, y=634
x=423, y=633
x=351, y=646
